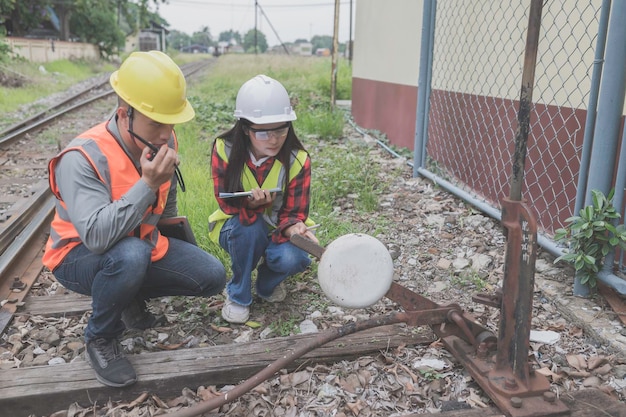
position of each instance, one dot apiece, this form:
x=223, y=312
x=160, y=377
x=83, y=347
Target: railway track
x=26, y=204
x=42, y=390
x=26, y=208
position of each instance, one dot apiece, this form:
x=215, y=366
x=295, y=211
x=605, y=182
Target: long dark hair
x=240, y=142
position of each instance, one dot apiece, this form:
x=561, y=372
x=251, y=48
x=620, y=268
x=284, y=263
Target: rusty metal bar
x=521, y=228
x=506, y=376
x=518, y=285
x=289, y=357
x=526, y=97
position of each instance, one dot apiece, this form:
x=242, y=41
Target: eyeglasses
x=154, y=149
x=277, y=133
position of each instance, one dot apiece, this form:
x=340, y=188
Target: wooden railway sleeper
x=473, y=345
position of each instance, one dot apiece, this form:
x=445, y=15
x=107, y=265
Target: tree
x=248, y=41
x=229, y=35
x=203, y=37
x=137, y=11
x=92, y=21
x=90, y=14
x=323, y=41
x=177, y=39
x=19, y=17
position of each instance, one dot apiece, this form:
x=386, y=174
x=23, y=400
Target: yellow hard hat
x=154, y=85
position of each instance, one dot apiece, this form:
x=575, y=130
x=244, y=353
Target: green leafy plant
x=470, y=278
x=590, y=236
x=285, y=327
x=430, y=375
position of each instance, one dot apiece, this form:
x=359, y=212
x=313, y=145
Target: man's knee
x=131, y=254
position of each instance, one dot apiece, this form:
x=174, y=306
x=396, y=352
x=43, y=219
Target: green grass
x=285, y=327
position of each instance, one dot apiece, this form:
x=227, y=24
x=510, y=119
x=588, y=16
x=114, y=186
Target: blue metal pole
x=610, y=111
x=610, y=105
x=429, y=75
x=606, y=275
x=423, y=87
x=592, y=106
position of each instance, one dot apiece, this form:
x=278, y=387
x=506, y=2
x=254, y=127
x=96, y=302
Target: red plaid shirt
x=296, y=197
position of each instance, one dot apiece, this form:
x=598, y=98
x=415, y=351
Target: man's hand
x=160, y=169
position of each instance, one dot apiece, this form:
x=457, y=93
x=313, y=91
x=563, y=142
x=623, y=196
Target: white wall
x=43, y=50
x=387, y=37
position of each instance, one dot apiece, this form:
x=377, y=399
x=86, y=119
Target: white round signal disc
x=355, y=271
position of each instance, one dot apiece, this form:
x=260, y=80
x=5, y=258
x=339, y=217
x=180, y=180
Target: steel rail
x=47, y=120
x=21, y=216
x=32, y=119
x=14, y=132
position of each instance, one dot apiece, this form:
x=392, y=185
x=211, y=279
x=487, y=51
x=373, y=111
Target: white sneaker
x=235, y=313
x=279, y=294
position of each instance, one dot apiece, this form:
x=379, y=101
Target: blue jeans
x=246, y=245
x=124, y=273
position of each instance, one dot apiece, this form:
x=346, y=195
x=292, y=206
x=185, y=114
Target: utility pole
x=256, y=8
x=333, y=79
x=350, y=37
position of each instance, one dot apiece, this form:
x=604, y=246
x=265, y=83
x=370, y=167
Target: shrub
x=590, y=236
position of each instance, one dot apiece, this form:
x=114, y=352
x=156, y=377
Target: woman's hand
x=260, y=198
x=300, y=229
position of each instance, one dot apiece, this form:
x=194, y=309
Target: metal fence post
x=607, y=129
x=423, y=85
x=592, y=105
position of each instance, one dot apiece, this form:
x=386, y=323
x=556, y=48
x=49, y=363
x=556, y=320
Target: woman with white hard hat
x=260, y=155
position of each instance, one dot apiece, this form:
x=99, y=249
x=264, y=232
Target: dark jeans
x=115, y=278
x=246, y=245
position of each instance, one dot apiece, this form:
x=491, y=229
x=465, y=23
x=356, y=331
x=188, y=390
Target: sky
x=278, y=20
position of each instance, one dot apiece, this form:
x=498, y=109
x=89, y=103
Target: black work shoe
x=137, y=316
x=111, y=366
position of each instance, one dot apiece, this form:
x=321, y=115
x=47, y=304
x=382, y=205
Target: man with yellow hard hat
x=113, y=183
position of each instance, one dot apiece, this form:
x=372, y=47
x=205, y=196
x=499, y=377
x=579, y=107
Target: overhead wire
x=271, y=26
x=249, y=5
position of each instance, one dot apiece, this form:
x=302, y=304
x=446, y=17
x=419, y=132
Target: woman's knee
x=288, y=259
x=236, y=236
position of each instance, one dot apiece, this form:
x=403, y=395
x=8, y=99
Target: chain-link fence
x=476, y=79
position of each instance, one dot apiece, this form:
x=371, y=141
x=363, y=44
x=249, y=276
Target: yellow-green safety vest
x=274, y=179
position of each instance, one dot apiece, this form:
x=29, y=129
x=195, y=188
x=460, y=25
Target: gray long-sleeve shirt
x=99, y=221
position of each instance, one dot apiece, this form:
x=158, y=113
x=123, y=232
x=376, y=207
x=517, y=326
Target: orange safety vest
x=115, y=169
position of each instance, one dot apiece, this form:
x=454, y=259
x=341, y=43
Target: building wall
x=478, y=59
x=132, y=43
x=45, y=50
x=387, y=51
x=385, y=67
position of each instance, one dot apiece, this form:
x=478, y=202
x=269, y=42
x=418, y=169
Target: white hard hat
x=263, y=100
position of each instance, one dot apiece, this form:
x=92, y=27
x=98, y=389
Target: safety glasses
x=279, y=132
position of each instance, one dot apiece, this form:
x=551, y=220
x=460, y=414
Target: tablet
x=178, y=228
